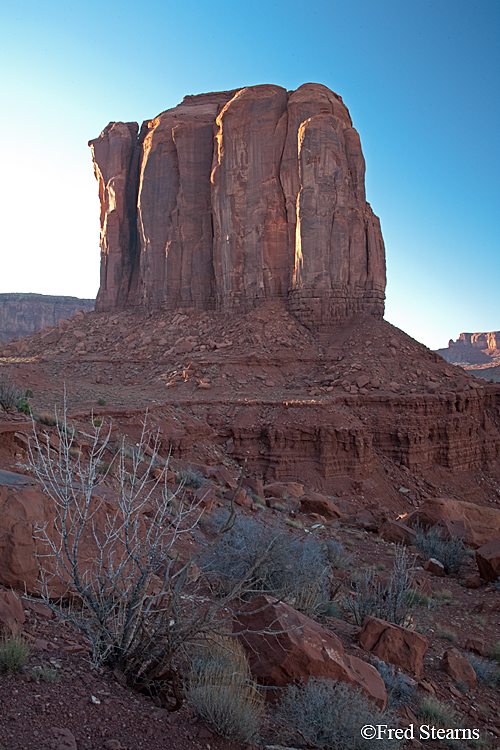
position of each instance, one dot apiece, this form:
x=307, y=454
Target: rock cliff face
x=237, y=197
x=477, y=352
x=23, y=314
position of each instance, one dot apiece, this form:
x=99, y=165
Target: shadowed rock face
x=236, y=197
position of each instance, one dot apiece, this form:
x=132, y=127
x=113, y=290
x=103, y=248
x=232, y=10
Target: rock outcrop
x=237, y=197
x=24, y=314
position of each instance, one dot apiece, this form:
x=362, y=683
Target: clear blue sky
x=420, y=78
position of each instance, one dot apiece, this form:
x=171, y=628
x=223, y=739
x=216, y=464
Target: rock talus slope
x=236, y=197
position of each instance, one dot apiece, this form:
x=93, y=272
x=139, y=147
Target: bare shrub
x=11, y=397
x=450, y=552
x=393, y=602
x=221, y=689
x=337, y=555
x=137, y=603
x=329, y=715
x=9, y=392
x=190, y=478
x=400, y=691
x=296, y=570
x=486, y=670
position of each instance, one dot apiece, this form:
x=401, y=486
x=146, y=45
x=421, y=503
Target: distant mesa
x=237, y=197
x=476, y=352
x=23, y=314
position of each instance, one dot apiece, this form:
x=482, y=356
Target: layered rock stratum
x=23, y=314
x=237, y=197
x=476, y=352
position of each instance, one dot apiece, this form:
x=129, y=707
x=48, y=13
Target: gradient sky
x=420, y=78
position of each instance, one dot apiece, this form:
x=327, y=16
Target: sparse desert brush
x=45, y=673
x=495, y=652
x=446, y=633
x=221, y=689
x=101, y=402
x=97, y=421
x=14, y=652
x=420, y=599
x=337, y=555
x=486, y=670
x=393, y=601
x=400, y=691
x=296, y=569
x=294, y=523
x=191, y=478
x=47, y=418
x=450, y=552
x=443, y=595
x=328, y=714
x=433, y=711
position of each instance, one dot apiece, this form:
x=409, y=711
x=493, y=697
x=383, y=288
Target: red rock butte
x=237, y=197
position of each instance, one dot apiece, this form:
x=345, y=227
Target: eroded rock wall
x=24, y=314
x=236, y=197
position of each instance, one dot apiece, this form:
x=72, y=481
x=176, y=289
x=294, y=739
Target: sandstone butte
x=236, y=197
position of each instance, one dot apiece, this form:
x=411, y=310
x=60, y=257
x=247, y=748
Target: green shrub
x=97, y=421
x=329, y=715
x=222, y=691
x=22, y=404
x=14, y=652
x=101, y=402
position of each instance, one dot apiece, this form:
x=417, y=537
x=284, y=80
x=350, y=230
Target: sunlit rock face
x=236, y=197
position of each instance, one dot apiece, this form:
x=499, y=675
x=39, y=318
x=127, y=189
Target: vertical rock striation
x=235, y=197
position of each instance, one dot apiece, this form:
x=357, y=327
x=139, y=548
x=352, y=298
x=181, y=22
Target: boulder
x=481, y=524
x=284, y=646
x=473, y=581
x=394, y=644
x=458, y=668
x=314, y=502
x=477, y=645
x=488, y=560
x=397, y=532
x=435, y=567
x=22, y=510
